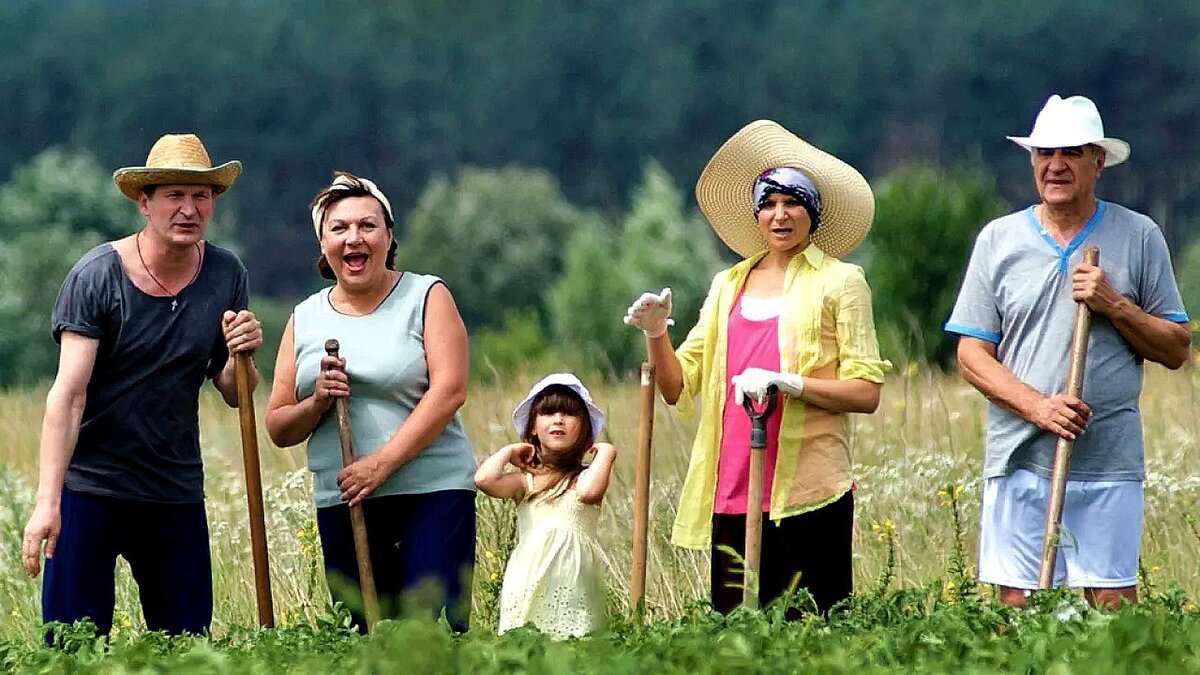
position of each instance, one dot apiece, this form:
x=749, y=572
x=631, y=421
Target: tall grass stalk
x=926, y=436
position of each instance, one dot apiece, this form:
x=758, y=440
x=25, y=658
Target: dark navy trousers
x=166, y=546
x=422, y=554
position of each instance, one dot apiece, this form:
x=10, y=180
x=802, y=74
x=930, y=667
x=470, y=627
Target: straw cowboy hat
x=1068, y=122
x=724, y=190
x=177, y=159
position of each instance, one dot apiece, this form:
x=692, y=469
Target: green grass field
x=917, y=468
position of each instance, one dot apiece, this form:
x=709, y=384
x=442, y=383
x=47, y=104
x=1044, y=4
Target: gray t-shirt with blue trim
x=1016, y=294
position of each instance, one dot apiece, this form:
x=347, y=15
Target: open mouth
x=355, y=262
x=782, y=231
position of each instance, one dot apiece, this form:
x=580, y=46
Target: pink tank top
x=751, y=344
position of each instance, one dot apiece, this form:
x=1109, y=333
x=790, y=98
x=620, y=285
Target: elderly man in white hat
x=141, y=323
x=1014, y=318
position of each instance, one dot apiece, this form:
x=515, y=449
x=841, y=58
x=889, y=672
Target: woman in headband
x=792, y=315
x=402, y=367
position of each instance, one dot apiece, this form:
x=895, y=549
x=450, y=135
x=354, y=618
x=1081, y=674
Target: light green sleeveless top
x=385, y=360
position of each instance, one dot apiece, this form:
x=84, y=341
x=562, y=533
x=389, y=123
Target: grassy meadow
x=917, y=463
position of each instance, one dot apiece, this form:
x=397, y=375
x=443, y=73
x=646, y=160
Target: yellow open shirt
x=826, y=329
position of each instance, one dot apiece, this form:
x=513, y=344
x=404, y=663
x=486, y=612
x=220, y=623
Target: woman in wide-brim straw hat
x=793, y=315
x=402, y=367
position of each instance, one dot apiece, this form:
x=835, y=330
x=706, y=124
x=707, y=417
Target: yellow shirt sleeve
x=858, y=344
x=695, y=348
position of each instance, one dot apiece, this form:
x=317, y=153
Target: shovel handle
x=358, y=523
x=758, y=418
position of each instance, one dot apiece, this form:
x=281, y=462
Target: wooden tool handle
x=254, y=494
x=754, y=517
x=358, y=523
x=1062, y=450
x=641, y=489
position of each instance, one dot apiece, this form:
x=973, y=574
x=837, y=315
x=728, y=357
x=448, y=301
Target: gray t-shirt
x=1016, y=294
x=140, y=434
x=385, y=361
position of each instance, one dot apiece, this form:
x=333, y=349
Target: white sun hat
x=520, y=416
x=1068, y=122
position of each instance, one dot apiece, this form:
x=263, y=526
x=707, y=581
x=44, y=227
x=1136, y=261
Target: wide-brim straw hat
x=1070, y=122
x=725, y=189
x=177, y=159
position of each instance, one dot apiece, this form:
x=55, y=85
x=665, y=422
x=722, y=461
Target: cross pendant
x=174, y=304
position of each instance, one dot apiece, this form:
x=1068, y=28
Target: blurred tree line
x=542, y=153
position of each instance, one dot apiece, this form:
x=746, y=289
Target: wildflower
x=949, y=494
x=495, y=577
x=884, y=531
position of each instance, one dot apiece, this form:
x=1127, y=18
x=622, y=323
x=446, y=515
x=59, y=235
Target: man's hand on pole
x=651, y=312
x=1091, y=286
x=1063, y=415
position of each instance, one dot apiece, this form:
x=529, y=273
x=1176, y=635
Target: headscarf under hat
x=793, y=183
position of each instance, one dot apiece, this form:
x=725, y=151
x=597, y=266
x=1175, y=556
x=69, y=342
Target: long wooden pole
x=358, y=524
x=254, y=494
x=753, y=557
x=641, y=488
x=1062, y=451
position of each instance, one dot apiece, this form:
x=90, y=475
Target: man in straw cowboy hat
x=141, y=322
x=791, y=314
x=1014, y=318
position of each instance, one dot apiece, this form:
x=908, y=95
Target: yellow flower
x=495, y=576
x=883, y=531
x=489, y=555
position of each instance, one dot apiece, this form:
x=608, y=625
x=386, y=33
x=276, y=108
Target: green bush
x=53, y=210
x=659, y=245
x=497, y=236
x=925, y=225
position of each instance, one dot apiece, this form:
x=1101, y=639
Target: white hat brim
x=1115, y=149
x=520, y=416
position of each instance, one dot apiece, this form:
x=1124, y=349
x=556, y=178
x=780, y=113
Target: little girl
x=555, y=576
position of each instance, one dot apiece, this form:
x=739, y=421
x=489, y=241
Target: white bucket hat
x=520, y=416
x=1068, y=122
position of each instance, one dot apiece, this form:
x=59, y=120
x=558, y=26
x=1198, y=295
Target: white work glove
x=651, y=313
x=753, y=382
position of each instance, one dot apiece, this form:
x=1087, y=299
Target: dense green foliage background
x=518, y=140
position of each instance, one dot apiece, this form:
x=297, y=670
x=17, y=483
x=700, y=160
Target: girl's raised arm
x=491, y=479
x=593, y=481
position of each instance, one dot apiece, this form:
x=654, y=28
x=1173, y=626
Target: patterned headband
x=343, y=183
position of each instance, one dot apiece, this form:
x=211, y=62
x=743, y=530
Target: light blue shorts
x=1101, y=532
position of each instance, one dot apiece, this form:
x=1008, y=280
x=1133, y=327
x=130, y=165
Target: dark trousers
x=814, y=545
x=422, y=554
x=166, y=546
